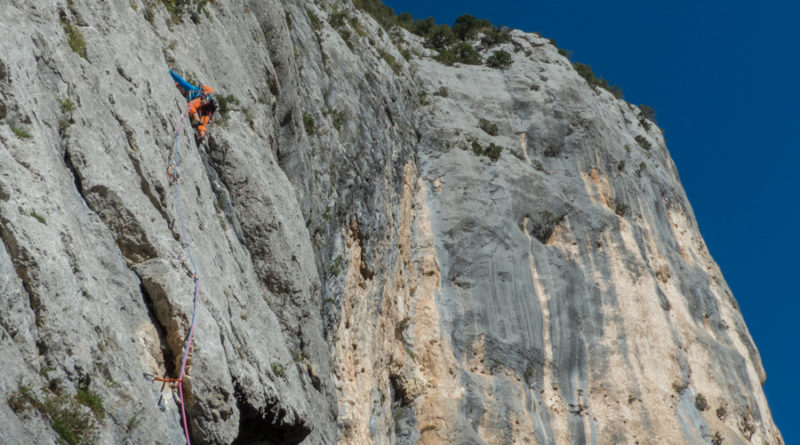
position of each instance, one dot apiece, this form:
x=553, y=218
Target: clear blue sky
x=722, y=77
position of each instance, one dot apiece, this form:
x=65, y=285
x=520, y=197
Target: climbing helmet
x=209, y=101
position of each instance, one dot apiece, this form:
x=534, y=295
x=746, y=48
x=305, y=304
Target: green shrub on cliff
x=177, y=8
x=488, y=127
x=460, y=52
x=467, y=27
x=73, y=424
x=74, y=38
x=500, y=59
x=586, y=72
x=383, y=14
x=495, y=36
x=492, y=151
x=440, y=37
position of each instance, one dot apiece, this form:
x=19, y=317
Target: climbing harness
x=172, y=173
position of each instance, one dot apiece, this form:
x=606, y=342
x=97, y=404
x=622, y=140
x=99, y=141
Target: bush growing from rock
x=461, y=52
x=476, y=148
x=439, y=37
x=344, y=33
x=176, y=8
x=542, y=228
x=700, y=402
x=385, y=15
x=226, y=103
x=552, y=150
x=423, y=27
x=74, y=38
x=66, y=105
x=20, y=131
x=93, y=401
x=643, y=142
x=488, y=127
x=339, y=118
x=65, y=414
x=315, y=21
x=405, y=20
x=493, y=152
x=648, y=113
x=308, y=123
x=495, y=36
x=586, y=72
x=391, y=61
x=446, y=57
x=467, y=27
x=442, y=92
x=39, y=218
x=337, y=19
x=641, y=169
x=500, y=59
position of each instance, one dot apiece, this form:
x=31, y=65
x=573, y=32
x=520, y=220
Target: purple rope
x=196, y=280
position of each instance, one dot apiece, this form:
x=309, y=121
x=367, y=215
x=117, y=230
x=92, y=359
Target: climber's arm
x=194, y=109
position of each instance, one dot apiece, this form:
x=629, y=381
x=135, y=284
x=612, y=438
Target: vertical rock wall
x=366, y=274
x=581, y=301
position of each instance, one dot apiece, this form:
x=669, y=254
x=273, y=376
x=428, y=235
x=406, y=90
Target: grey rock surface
x=367, y=274
x=579, y=279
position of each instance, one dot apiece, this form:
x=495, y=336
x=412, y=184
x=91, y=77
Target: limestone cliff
x=389, y=249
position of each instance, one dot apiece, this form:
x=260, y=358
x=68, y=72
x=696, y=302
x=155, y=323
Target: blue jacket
x=192, y=92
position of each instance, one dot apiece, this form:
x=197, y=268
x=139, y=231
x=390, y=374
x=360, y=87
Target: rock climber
x=202, y=103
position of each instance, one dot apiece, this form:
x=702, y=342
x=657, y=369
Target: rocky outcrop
x=373, y=267
x=582, y=303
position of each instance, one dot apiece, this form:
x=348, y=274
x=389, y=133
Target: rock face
x=370, y=270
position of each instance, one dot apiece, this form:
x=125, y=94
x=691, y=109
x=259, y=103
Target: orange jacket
x=196, y=111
